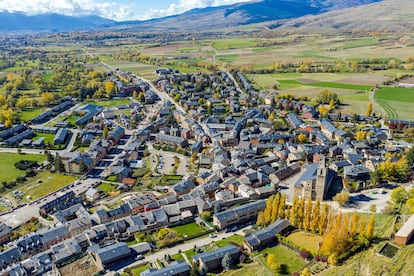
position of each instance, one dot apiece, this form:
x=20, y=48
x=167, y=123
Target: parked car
x=213, y=235
x=139, y=257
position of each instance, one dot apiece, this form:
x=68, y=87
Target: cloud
x=185, y=5
x=108, y=9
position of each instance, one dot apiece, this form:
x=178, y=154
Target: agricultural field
x=7, y=161
x=397, y=102
x=43, y=184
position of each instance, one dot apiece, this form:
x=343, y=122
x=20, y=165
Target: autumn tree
x=267, y=214
x=315, y=217
x=325, y=96
x=301, y=212
x=110, y=89
x=302, y=138
x=8, y=123
x=275, y=208
x=271, y=261
x=369, y=232
x=282, y=206
x=341, y=198
x=323, y=220
x=353, y=227
x=294, y=211
x=308, y=214
x=399, y=195
x=369, y=109
x=260, y=219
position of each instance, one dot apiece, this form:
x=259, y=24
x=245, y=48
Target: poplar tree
x=301, y=212
x=315, y=217
x=275, y=207
x=282, y=206
x=308, y=214
x=323, y=220
x=268, y=211
x=353, y=227
x=369, y=232
x=294, y=212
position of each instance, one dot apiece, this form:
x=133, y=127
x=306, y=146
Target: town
x=198, y=172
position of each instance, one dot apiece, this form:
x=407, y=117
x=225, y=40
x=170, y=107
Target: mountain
x=19, y=22
x=391, y=15
x=243, y=14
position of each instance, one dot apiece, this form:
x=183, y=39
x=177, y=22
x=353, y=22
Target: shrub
x=25, y=164
x=304, y=254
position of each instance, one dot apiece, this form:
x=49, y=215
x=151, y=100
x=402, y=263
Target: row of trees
x=339, y=233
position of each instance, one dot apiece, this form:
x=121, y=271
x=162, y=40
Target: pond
x=389, y=250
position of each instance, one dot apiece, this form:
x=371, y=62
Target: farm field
x=397, y=102
x=7, y=161
x=43, y=184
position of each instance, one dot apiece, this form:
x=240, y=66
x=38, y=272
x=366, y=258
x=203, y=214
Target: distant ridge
x=19, y=22
x=388, y=15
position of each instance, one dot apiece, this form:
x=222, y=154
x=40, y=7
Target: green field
x=227, y=241
x=397, y=102
x=27, y=115
x=106, y=187
x=306, y=240
x=43, y=184
x=236, y=43
x=48, y=137
x=188, y=229
x=286, y=257
x=7, y=161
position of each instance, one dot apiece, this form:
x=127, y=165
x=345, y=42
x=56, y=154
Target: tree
x=375, y=177
x=271, y=261
x=302, y=138
x=305, y=272
x=282, y=206
x=325, y=96
x=275, y=208
x=110, y=89
x=369, y=109
x=8, y=123
x=267, y=214
x=167, y=236
x=260, y=219
x=105, y=132
x=59, y=166
x=206, y=215
x=308, y=214
x=369, y=232
x=373, y=208
x=399, y=195
x=323, y=221
x=323, y=111
x=301, y=212
x=361, y=135
x=353, y=228
x=341, y=198
x=331, y=104
x=294, y=211
x=227, y=262
x=315, y=217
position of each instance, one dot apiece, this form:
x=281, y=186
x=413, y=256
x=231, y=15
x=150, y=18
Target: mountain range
x=304, y=14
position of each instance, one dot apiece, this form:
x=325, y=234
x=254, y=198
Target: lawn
x=227, y=241
x=43, y=184
x=48, y=137
x=288, y=258
x=248, y=269
x=106, y=187
x=306, y=240
x=189, y=229
x=29, y=114
x=137, y=271
x=7, y=161
x=110, y=103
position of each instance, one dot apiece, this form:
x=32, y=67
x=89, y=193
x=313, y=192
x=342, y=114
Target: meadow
x=7, y=161
x=397, y=102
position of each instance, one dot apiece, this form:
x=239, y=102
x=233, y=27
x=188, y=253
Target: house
x=406, y=232
x=177, y=268
x=54, y=236
x=182, y=187
x=9, y=257
x=238, y=214
x=267, y=236
x=92, y=194
x=116, y=135
x=137, y=203
x=60, y=137
x=314, y=182
x=5, y=233
x=356, y=173
x=110, y=255
x=211, y=261
x=171, y=140
x=75, y=218
x=65, y=251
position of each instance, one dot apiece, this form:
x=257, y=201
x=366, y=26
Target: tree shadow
x=283, y=269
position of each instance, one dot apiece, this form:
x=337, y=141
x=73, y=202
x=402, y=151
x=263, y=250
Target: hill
x=242, y=14
x=390, y=15
x=19, y=22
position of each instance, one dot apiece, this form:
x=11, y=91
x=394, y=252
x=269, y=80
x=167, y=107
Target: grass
x=248, y=269
x=397, y=102
x=284, y=256
x=369, y=262
x=48, y=137
x=7, y=161
x=227, y=241
x=43, y=184
x=306, y=240
x=110, y=103
x=235, y=43
x=137, y=271
x=178, y=257
x=29, y=114
x=189, y=229
x=106, y=187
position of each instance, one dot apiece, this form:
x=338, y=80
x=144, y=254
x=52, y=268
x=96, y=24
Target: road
x=184, y=247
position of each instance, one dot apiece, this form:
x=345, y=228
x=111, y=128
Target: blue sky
x=114, y=9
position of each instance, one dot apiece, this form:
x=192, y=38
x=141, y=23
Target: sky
x=119, y=10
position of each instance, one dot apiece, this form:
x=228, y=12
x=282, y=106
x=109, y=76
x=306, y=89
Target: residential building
x=177, y=268
x=110, y=255
x=212, y=260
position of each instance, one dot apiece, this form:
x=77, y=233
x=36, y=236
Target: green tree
x=105, y=132
x=83, y=167
x=342, y=198
x=399, y=195
x=59, y=166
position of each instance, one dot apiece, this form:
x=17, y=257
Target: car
x=139, y=257
x=212, y=235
